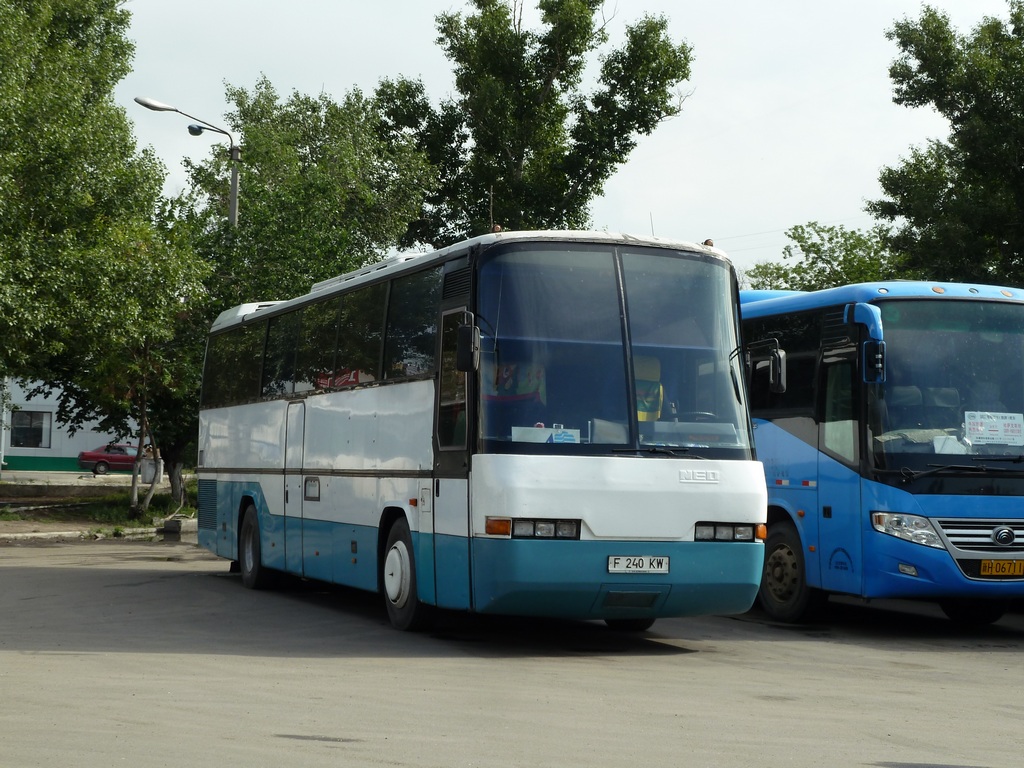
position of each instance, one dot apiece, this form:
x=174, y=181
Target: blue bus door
x=293, y=454
x=839, y=486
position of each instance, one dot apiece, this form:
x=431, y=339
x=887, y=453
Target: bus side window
x=412, y=325
x=451, y=415
x=839, y=422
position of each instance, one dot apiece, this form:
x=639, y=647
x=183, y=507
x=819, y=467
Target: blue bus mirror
x=467, y=349
x=873, y=364
x=867, y=315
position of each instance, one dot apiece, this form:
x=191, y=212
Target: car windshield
x=556, y=373
x=954, y=389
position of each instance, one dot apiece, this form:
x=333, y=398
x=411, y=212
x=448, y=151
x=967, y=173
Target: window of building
x=30, y=429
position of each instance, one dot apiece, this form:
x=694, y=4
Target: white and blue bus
x=532, y=423
x=894, y=454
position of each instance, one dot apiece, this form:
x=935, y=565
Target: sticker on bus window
x=991, y=428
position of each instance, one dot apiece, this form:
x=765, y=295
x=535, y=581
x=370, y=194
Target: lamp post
x=197, y=129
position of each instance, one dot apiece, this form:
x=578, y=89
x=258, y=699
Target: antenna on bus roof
x=651, y=214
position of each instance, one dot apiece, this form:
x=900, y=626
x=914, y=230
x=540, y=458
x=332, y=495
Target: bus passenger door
x=293, y=453
x=839, y=486
x=452, y=422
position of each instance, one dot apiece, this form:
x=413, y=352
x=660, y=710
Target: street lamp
x=197, y=129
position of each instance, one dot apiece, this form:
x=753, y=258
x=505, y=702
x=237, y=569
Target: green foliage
x=320, y=194
x=92, y=287
x=521, y=145
x=825, y=257
x=957, y=206
x=71, y=182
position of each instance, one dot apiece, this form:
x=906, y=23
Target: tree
x=957, y=207
x=826, y=256
x=70, y=176
x=134, y=369
x=521, y=145
x=90, y=285
x=321, y=193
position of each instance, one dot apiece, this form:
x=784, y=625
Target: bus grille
x=207, y=505
x=979, y=535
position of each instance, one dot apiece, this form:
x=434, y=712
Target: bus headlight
x=532, y=529
x=729, y=532
x=913, y=528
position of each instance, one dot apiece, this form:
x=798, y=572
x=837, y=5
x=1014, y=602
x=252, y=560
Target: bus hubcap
x=782, y=573
x=397, y=574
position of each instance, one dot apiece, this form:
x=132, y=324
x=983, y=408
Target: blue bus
x=893, y=444
x=527, y=423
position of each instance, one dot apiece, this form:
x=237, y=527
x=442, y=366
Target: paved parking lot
x=154, y=655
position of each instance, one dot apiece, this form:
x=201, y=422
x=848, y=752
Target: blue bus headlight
x=907, y=527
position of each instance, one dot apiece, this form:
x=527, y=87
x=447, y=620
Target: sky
x=788, y=116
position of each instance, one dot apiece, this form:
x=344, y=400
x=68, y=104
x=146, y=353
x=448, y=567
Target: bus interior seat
x=942, y=407
x=649, y=392
x=904, y=406
x=514, y=395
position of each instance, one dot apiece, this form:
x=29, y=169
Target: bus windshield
x=596, y=347
x=954, y=384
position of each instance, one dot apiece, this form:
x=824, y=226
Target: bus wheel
x=784, y=594
x=974, y=613
x=250, y=558
x=629, y=625
x=398, y=577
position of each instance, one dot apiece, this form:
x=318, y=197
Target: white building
x=32, y=439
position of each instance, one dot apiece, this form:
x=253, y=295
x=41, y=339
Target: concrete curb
x=172, y=529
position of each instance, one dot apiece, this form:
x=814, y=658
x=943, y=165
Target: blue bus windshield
x=954, y=383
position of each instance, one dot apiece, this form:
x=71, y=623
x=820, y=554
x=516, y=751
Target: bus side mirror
x=873, y=350
x=777, y=371
x=467, y=349
x=867, y=315
x=766, y=357
x=873, y=364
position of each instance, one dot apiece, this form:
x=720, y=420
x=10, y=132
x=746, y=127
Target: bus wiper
x=659, y=449
x=909, y=475
x=1009, y=459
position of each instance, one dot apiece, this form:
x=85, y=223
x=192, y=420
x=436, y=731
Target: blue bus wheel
x=784, y=594
x=974, y=612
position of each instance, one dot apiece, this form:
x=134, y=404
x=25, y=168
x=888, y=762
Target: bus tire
x=629, y=625
x=784, y=594
x=973, y=612
x=250, y=553
x=398, y=580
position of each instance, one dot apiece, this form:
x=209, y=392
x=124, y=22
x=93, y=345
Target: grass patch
x=111, y=510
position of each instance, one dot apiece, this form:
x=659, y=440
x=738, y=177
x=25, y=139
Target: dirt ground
x=47, y=502
x=45, y=521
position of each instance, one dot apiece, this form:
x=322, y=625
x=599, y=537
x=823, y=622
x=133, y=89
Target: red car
x=107, y=457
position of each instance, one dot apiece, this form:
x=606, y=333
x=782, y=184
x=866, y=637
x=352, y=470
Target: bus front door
x=451, y=473
x=839, y=486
